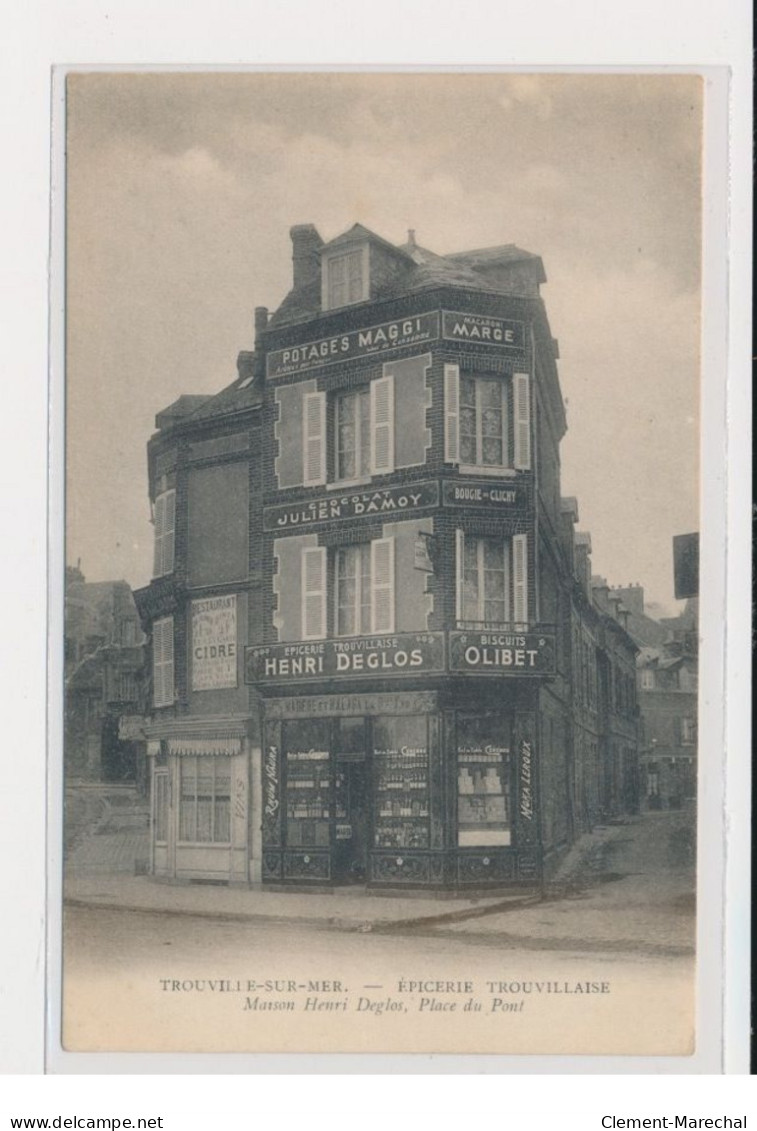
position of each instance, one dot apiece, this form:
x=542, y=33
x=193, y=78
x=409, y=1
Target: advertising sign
x=502, y=653
x=493, y=496
x=352, y=504
x=412, y=330
x=366, y=657
x=483, y=329
x=214, y=643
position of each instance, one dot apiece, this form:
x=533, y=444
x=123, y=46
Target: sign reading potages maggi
x=502, y=653
x=410, y=331
x=370, y=657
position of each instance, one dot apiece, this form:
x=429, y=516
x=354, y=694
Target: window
x=165, y=523
x=127, y=687
x=483, y=421
x=160, y=807
x=363, y=433
x=492, y=580
x=483, y=781
x=647, y=679
x=476, y=424
x=352, y=416
x=162, y=662
x=688, y=731
x=353, y=590
x=401, y=798
x=205, y=800
x=364, y=588
x=346, y=278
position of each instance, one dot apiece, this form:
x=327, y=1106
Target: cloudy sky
x=181, y=192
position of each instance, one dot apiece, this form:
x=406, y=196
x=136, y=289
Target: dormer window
x=345, y=278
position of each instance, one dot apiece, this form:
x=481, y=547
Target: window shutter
x=382, y=425
x=452, y=413
x=314, y=593
x=382, y=585
x=160, y=510
x=459, y=562
x=522, y=423
x=169, y=526
x=314, y=439
x=162, y=652
x=520, y=579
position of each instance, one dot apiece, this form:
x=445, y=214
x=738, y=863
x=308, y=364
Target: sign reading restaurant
x=372, y=657
x=410, y=331
x=354, y=504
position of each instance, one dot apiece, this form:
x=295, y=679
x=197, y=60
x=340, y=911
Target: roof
x=359, y=233
x=483, y=269
x=178, y=409
x=243, y=393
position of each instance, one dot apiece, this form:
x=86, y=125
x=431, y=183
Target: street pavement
x=629, y=887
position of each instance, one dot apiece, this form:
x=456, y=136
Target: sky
x=181, y=190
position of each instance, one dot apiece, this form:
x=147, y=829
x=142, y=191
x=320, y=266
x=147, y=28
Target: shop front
x=398, y=789
x=202, y=804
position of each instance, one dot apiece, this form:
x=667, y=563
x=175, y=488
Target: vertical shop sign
x=526, y=781
x=271, y=794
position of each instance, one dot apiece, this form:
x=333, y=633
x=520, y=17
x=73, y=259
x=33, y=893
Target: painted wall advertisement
x=214, y=643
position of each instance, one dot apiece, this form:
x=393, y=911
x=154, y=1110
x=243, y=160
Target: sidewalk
x=350, y=909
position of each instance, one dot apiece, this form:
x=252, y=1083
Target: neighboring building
x=667, y=674
x=103, y=671
x=371, y=618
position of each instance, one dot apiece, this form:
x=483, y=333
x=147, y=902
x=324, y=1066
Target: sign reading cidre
x=371, y=657
x=214, y=643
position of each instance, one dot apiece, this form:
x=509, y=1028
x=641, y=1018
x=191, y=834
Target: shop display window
x=400, y=756
x=205, y=800
x=483, y=781
x=307, y=756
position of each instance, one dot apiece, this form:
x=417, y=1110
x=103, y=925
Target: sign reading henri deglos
x=399, y=653
x=214, y=643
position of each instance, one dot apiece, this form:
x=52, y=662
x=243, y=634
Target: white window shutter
x=314, y=593
x=382, y=585
x=169, y=526
x=314, y=439
x=459, y=564
x=452, y=413
x=522, y=421
x=382, y=425
x=160, y=511
x=520, y=579
x=168, y=659
x=163, y=660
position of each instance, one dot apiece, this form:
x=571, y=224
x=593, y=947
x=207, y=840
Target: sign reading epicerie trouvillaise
x=214, y=643
x=410, y=331
x=372, y=657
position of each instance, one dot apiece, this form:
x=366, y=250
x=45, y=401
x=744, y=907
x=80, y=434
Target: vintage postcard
x=382, y=516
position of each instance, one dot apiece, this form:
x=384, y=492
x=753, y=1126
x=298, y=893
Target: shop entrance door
x=351, y=831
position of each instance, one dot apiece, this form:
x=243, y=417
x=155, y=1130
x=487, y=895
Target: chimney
x=261, y=321
x=306, y=259
x=411, y=238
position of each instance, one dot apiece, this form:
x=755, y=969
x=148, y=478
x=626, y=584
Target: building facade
x=104, y=666
x=371, y=609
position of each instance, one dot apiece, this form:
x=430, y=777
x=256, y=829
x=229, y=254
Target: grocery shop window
x=483, y=781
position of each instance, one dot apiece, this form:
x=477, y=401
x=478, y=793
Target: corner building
x=407, y=647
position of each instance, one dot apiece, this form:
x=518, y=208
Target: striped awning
x=153, y=749
x=220, y=746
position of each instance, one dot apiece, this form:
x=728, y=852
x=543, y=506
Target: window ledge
x=498, y=472
x=349, y=484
